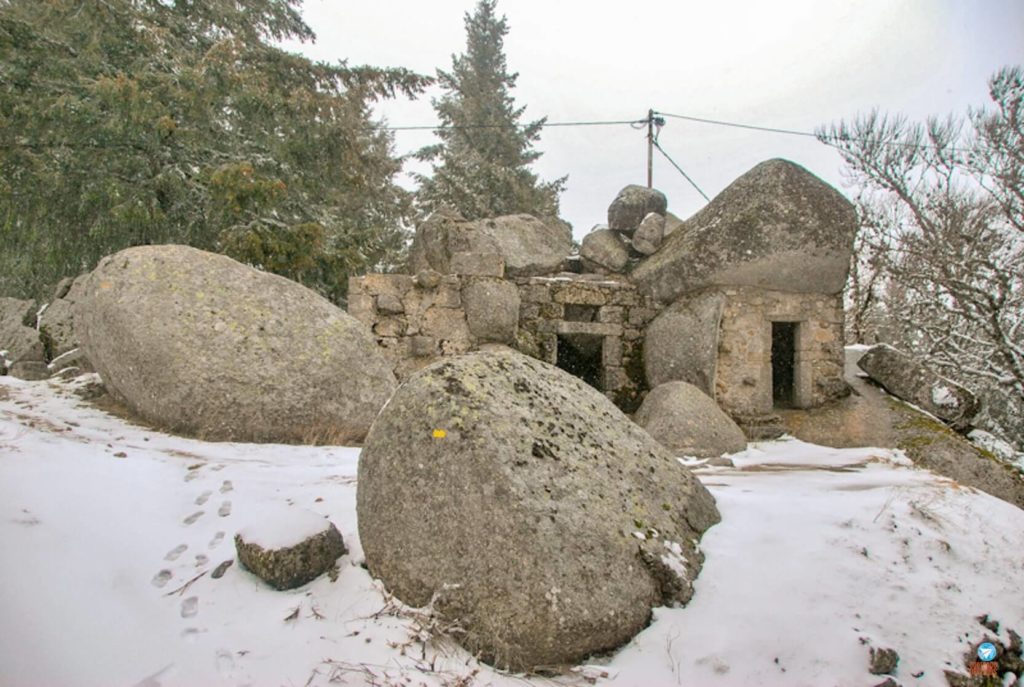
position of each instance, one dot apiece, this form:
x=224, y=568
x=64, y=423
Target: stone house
x=742, y=300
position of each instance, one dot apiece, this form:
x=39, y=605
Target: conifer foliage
x=481, y=167
x=126, y=122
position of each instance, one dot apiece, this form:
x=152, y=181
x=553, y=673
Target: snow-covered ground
x=111, y=532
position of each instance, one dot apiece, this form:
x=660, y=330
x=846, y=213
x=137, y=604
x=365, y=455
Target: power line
x=737, y=125
x=680, y=170
x=450, y=127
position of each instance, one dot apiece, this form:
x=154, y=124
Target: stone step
x=761, y=427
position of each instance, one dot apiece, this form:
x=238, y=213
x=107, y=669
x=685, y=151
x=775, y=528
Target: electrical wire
x=680, y=170
x=450, y=127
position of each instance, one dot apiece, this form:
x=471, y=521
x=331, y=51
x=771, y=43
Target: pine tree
x=127, y=122
x=482, y=164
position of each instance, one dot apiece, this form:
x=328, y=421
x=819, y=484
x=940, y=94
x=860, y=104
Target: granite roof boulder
x=777, y=227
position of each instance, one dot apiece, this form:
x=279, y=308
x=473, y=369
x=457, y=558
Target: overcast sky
x=792, y=64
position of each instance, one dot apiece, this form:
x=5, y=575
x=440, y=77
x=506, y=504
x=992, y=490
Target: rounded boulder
x=688, y=422
x=524, y=507
x=199, y=344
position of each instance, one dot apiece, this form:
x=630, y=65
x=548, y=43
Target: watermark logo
x=985, y=665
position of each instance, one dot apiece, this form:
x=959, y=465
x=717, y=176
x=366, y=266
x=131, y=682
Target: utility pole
x=650, y=148
x=652, y=122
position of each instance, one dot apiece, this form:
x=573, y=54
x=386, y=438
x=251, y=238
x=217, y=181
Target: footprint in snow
x=225, y=663
x=189, y=607
x=201, y=560
x=224, y=510
x=162, y=578
x=226, y=486
x=203, y=498
x=217, y=539
x=192, y=518
x=173, y=554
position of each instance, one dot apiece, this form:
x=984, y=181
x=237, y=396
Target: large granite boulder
x=288, y=547
x=777, y=227
x=529, y=246
x=19, y=340
x=200, y=344
x=492, y=309
x=603, y=249
x=631, y=206
x=527, y=509
x=688, y=422
x=905, y=378
x=681, y=343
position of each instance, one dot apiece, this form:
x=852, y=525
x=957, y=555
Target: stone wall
x=417, y=319
x=588, y=310
x=743, y=384
x=414, y=319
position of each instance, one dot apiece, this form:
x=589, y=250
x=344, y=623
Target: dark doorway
x=783, y=363
x=580, y=355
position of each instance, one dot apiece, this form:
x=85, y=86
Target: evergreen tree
x=482, y=164
x=126, y=122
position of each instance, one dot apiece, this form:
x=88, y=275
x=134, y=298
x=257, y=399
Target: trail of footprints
x=189, y=607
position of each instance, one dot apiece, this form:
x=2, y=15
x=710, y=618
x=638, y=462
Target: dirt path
x=871, y=417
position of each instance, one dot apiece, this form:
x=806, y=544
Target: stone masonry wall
x=417, y=319
x=592, y=305
x=744, y=378
x=414, y=319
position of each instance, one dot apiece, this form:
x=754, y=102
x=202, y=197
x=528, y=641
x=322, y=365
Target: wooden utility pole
x=650, y=148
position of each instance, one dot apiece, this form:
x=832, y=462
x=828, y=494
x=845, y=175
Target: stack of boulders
x=638, y=222
x=39, y=342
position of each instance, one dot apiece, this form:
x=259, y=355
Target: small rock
x=289, y=547
x=427, y=279
x=883, y=661
x=889, y=682
x=390, y=303
x=649, y=234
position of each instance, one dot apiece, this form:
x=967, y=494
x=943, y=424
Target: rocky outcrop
x=602, y=250
x=905, y=378
x=289, y=547
x=687, y=421
x=19, y=340
x=681, y=343
x=199, y=344
x=777, y=227
x=631, y=205
x=533, y=512
x=527, y=245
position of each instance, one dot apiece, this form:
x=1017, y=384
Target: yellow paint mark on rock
x=440, y=434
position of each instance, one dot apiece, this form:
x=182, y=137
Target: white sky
x=792, y=64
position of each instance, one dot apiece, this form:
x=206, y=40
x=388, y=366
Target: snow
x=944, y=397
x=283, y=528
x=109, y=532
x=1001, y=449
